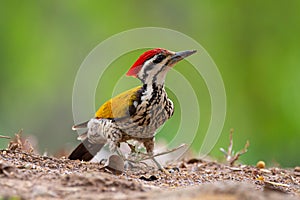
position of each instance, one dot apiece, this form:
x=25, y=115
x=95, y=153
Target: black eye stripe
x=159, y=58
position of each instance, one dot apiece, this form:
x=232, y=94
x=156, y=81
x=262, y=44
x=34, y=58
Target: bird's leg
x=149, y=145
x=132, y=148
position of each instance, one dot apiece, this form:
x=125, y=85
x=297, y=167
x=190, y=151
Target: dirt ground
x=25, y=175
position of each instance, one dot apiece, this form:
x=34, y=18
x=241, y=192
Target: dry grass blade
x=279, y=187
x=276, y=184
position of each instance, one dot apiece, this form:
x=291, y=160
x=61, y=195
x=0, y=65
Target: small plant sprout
x=230, y=155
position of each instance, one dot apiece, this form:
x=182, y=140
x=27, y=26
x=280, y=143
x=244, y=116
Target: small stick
x=147, y=157
x=163, y=153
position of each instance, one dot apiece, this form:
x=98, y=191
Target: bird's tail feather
x=79, y=126
x=85, y=151
x=82, y=136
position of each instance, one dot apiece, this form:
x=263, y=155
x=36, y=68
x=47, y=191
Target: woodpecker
x=135, y=114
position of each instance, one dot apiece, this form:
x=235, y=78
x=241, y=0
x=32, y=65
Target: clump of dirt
x=26, y=175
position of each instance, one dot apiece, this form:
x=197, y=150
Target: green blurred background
x=255, y=44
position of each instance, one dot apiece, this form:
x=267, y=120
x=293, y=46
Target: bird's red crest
x=136, y=67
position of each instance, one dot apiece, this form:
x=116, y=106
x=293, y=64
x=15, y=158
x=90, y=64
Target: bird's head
x=153, y=65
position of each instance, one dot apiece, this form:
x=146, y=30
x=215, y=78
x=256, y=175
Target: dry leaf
x=115, y=164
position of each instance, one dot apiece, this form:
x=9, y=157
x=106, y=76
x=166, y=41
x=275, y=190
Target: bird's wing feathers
x=119, y=106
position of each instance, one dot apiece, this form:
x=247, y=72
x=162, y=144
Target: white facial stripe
x=147, y=94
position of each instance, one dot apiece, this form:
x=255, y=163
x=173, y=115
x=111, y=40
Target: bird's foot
x=152, y=157
x=137, y=162
x=103, y=161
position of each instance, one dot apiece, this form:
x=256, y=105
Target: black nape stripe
x=158, y=72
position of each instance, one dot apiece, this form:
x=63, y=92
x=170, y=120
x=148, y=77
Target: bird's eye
x=159, y=58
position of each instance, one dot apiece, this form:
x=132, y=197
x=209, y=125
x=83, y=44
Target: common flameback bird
x=135, y=114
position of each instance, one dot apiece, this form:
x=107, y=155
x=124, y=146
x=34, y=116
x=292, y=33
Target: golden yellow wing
x=119, y=106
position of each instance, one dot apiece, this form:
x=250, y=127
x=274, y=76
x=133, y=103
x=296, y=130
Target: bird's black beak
x=178, y=56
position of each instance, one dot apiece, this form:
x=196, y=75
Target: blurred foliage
x=255, y=44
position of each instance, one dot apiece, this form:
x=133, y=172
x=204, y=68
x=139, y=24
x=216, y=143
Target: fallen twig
x=144, y=156
x=163, y=153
